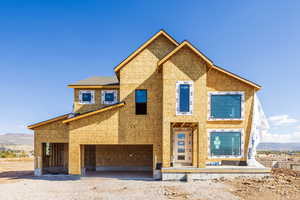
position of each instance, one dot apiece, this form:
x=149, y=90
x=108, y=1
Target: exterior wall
x=140, y=73
x=185, y=65
x=217, y=81
x=55, y=132
x=123, y=126
x=102, y=128
x=82, y=108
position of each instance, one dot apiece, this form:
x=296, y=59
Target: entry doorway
x=182, y=147
x=55, y=157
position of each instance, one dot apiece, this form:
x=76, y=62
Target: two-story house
x=168, y=110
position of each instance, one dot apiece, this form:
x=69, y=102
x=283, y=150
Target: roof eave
x=94, y=86
x=33, y=126
x=94, y=112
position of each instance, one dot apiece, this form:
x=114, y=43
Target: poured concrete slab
x=212, y=172
x=124, y=175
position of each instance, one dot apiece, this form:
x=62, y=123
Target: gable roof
x=185, y=43
x=103, y=109
x=32, y=126
x=207, y=60
x=96, y=81
x=143, y=46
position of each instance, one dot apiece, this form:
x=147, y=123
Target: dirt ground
x=17, y=182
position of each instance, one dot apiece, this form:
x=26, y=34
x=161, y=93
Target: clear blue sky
x=45, y=45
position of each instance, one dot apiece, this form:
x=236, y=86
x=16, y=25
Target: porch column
x=202, y=141
x=166, y=145
x=38, y=157
x=74, y=159
x=195, y=147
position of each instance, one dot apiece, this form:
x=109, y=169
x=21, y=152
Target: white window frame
x=209, y=131
x=226, y=93
x=114, y=92
x=178, y=83
x=92, y=92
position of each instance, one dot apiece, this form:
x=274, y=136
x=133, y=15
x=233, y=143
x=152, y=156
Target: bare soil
x=17, y=182
x=282, y=184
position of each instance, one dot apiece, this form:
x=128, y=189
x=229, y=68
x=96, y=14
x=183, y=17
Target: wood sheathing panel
x=217, y=81
x=124, y=155
x=185, y=65
x=82, y=108
x=101, y=128
x=140, y=73
x=54, y=132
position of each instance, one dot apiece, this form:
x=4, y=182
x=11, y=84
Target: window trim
x=92, y=96
x=178, y=83
x=143, y=102
x=241, y=130
x=114, y=92
x=210, y=94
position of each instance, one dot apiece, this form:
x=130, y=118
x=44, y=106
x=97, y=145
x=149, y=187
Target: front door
x=182, y=148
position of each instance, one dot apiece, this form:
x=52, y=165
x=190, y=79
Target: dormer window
x=87, y=96
x=109, y=97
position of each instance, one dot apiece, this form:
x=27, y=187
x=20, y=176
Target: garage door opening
x=119, y=161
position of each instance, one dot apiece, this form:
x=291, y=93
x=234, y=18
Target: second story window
x=140, y=102
x=109, y=96
x=184, y=97
x=226, y=105
x=86, y=96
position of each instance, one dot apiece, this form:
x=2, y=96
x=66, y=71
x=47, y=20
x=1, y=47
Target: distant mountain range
x=16, y=141
x=279, y=146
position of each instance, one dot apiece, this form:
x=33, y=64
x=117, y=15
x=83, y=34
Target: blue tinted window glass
x=184, y=99
x=141, y=96
x=181, y=136
x=86, y=97
x=109, y=96
x=225, y=143
x=226, y=106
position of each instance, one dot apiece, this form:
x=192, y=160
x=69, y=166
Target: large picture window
x=140, y=102
x=184, y=97
x=225, y=143
x=226, y=105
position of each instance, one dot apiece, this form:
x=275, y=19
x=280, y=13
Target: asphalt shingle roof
x=98, y=80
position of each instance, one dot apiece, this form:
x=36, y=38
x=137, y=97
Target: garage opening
x=121, y=161
x=55, y=158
